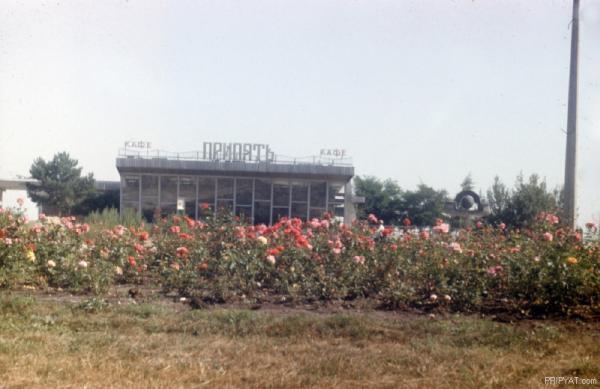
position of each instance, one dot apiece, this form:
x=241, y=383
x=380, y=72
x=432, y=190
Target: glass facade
x=258, y=200
x=130, y=193
x=149, y=196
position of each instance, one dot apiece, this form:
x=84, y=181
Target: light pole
x=571, y=154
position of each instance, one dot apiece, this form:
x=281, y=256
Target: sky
x=417, y=91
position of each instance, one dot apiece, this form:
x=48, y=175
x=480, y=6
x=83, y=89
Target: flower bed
x=542, y=270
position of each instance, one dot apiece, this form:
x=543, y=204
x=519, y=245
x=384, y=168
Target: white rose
x=262, y=240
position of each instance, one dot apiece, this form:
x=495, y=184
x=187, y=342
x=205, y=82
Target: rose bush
x=544, y=269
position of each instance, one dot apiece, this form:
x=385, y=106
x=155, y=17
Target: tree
x=61, y=187
x=498, y=197
x=467, y=183
x=382, y=198
x=424, y=205
x=98, y=201
x=529, y=199
x=519, y=207
x=392, y=205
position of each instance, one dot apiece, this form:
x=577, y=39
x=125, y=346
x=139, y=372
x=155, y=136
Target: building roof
x=21, y=184
x=187, y=163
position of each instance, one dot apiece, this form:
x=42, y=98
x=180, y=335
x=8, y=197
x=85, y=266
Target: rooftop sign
x=235, y=152
x=140, y=144
x=245, y=152
x=333, y=153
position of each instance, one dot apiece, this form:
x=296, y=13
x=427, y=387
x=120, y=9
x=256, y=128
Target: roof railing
x=199, y=156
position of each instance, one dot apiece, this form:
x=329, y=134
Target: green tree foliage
x=424, y=205
x=61, y=186
x=382, y=198
x=467, y=183
x=98, y=201
x=385, y=199
x=520, y=206
x=516, y=207
x=498, y=197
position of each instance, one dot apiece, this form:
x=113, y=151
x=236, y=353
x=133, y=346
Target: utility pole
x=571, y=154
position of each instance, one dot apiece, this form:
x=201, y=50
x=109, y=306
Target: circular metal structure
x=468, y=201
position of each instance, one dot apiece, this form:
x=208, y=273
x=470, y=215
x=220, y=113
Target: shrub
x=543, y=269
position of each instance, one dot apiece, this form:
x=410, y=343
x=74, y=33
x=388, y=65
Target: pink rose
x=359, y=259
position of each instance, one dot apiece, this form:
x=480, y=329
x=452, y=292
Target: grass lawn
x=48, y=342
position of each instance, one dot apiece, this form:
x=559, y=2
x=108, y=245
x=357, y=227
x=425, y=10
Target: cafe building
x=249, y=180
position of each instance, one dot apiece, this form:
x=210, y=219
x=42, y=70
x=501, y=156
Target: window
x=335, y=204
x=318, y=196
x=281, y=195
x=149, y=196
x=130, y=195
x=262, y=212
x=225, y=188
x=300, y=201
x=187, y=193
x=206, y=195
x=243, y=191
x=300, y=193
x=279, y=212
x=131, y=189
x=168, y=195
x=262, y=190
